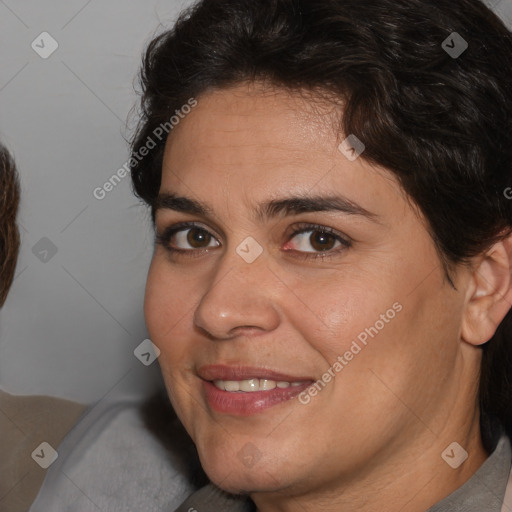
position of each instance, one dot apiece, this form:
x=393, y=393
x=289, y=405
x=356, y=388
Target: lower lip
x=253, y=402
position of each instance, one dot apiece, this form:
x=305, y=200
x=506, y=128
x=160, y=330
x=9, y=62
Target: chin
x=239, y=476
x=247, y=483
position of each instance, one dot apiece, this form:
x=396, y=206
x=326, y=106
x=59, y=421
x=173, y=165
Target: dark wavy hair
x=441, y=123
x=9, y=234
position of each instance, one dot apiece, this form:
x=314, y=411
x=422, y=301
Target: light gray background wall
x=71, y=323
x=73, y=319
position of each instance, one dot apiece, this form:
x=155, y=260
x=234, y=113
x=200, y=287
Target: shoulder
x=118, y=458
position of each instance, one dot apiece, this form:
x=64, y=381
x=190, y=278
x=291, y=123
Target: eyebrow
x=271, y=209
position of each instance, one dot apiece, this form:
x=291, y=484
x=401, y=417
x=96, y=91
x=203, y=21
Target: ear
x=489, y=293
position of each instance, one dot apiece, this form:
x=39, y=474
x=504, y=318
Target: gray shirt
x=112, y=462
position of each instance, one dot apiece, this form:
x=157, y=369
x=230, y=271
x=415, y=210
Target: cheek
x=168, y=303
x=168, y=306
x=385, y=335
x=331, y=314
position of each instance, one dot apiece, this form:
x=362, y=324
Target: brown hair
x=9, y=234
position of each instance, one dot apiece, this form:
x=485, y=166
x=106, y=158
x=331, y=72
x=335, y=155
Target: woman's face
x=297, y=263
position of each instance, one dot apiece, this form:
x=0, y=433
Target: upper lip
x=225, y=372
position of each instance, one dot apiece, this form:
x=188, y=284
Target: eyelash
x=165, y=237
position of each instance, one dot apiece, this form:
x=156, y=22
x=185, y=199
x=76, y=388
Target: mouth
x=253, y=385
x=243, y=391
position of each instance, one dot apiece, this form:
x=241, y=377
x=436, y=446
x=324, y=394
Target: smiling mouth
x=253, y=385
x=236, y=401
x=241, y=390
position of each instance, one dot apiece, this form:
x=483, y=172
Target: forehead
x=250, y=142
x=252, y=117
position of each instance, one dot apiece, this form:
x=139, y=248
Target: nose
x=239, y=300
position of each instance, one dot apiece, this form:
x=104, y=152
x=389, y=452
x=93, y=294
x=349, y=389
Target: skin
x=372, y=439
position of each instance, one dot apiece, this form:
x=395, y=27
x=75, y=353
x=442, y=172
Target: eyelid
x=305, y=227
x=181, y=226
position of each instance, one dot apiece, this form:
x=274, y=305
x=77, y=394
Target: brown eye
x=198, y=238
x=321, y=241
x=186, y=238
x=316, y=240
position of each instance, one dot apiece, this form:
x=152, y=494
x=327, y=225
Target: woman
x=330, y=290
x=333, y=259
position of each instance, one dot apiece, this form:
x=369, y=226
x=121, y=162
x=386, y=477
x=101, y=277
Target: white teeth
x=250, y=385
x=267, y=385
x=232, y=385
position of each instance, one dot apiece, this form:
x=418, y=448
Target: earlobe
x=489, y=294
